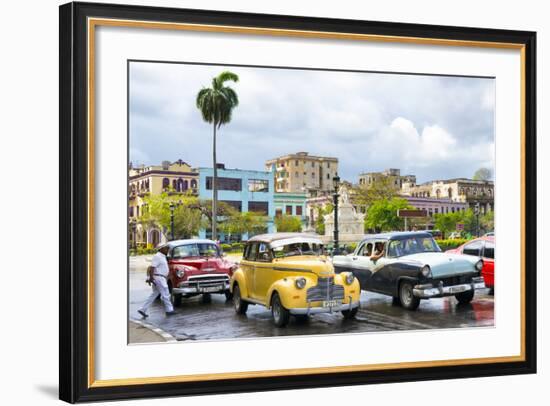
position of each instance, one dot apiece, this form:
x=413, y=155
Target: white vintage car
x=409, y=266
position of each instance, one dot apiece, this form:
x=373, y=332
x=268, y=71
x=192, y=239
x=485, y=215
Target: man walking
x=157, y=275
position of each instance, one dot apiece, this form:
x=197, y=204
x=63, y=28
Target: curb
x=169, y=338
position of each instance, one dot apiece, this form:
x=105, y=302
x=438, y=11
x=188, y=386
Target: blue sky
x=432, y=126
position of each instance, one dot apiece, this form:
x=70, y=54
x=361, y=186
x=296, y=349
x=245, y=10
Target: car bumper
x=316, y=310
x=428, y=291
x=198, y=290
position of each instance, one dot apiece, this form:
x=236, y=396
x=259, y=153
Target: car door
x=488, y=271
x=381, y=272
x=361, y=264
x=264, y=276
x=247, y=265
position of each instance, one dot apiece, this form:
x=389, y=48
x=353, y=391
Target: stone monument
x=350, y=223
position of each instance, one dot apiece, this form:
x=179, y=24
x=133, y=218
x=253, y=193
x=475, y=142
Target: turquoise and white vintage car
x=409, y=266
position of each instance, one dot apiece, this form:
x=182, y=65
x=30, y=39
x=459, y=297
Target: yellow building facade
x=172, y=177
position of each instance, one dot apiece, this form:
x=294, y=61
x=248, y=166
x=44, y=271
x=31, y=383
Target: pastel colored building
x=244, y=190
x=171, y=177
x=292, y=204
x=301, y=172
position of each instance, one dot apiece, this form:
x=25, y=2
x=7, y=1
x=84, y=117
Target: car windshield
x=195, y=250
x=296, y=249
x=412, y=245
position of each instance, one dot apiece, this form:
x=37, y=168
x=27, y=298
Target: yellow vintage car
x=288, y=273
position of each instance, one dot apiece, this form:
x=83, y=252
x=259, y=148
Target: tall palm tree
x=216, y=105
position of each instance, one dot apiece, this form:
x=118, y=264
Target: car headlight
x=300, y=283
x=350, y=278
x=180, y=273
x=426, y=271
x=479, y=265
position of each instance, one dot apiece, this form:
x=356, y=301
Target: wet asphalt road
x=198, y=319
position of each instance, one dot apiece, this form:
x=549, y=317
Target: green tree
x=287, y=223
x=446, y=222
x=487, y=221
x=483, y=174
x=382, y=214
x=320, y=219
x=237, y=223
x=382, y=189
x=216, y=105
x=187, y=220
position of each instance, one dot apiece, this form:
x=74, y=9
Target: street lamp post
x=476, y=211
x=335, y=196
x=172, y=207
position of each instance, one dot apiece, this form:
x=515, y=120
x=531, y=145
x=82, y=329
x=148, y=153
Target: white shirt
x=160, y=264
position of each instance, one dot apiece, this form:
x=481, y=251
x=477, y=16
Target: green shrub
x=225, y=247
x=450, y=244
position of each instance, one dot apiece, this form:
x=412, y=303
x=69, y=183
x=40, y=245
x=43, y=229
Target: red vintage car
x=197, y=267
x=483, y=247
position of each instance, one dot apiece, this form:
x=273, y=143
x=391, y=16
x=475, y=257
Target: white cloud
x=369, y=121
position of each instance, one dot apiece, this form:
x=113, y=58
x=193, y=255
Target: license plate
x=457, y=289
x=331, y=303
x=210, y=289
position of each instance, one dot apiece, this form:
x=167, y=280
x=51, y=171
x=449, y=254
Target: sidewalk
x=141, y=332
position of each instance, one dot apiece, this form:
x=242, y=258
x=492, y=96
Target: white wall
x=28, y=131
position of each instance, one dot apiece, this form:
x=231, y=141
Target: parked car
x=288, y=273
x=197, y=267
x=410, y=266
x=483, y=247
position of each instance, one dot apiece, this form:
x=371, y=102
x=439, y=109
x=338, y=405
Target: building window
x=258, y=185
x=312, y=164
x=131, y=211
x=305, y=173
x=298, y=210
x=313, y=175
x=328, y=175
x=288, y=209
x=296, y=163
x=233, y=184
x=194, y=184
x=185, y=185
x=137, y=211
x=175, y=184
x=328, y=164
x=278, y=212
x=258, y=207
x=165, y=183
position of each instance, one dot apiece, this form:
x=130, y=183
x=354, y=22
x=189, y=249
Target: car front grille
x=205, y=281
x=455, y=280
x=325, y=290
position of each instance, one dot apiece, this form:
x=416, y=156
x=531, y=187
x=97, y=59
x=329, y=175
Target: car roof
x=271, y=237
x=176, y=243
x=397, y=235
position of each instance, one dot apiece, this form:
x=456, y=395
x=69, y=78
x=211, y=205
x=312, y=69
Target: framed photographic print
x=258, y=202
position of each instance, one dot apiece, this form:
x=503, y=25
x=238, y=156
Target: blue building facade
x=244, y=190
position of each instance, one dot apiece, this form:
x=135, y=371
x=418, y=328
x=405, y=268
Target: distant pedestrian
x=157, y=275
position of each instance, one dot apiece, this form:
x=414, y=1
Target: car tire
x=238, y=303
x=406, y=296
x=281, y=316
x=176, y=299
x=465, y=297
x=228, y=295
x=350, y=314
x=395, y=301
